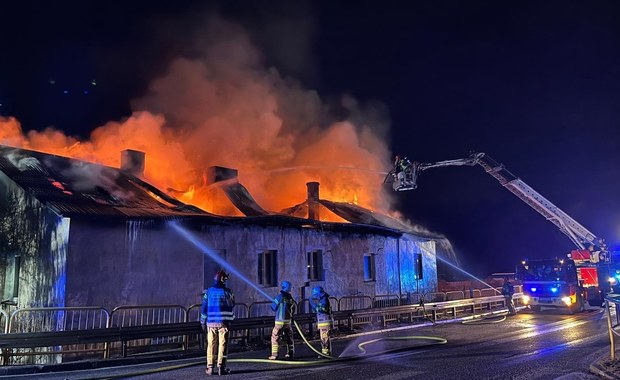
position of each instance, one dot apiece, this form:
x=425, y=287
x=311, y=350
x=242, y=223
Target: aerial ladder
x=592, y=258
x=405, y=177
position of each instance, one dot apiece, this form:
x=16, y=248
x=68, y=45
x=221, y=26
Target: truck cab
x=551, y=283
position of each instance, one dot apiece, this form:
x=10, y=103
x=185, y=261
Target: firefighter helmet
x=286, y=286
x=220, y=277
x=317, y=290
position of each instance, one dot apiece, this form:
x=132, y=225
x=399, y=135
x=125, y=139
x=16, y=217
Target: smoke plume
x=226, y=107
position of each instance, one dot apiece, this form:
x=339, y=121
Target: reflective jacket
x=284, y=306
x=217, y=306
x=323, y=309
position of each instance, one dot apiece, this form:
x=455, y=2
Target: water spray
x=474, y=321
x=192, y=238
x=208, y=251
x=461, y=270
x=331, y=167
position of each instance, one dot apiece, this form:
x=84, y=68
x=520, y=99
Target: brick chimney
x=219, y=173
x=132, y=162
x=313, y=200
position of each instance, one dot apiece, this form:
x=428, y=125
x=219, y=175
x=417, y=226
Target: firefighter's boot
x=223, y=371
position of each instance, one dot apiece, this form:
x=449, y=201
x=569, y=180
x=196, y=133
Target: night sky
x=535, y=85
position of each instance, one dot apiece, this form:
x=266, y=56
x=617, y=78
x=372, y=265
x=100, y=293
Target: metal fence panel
x=437, y=297
x=147, y=315
x=123, y=316
x=356, y=303
x=488, y=292
x=457, y=295
x=42, y=319
x=260, y=309
x=55, y=319
x=386, y=300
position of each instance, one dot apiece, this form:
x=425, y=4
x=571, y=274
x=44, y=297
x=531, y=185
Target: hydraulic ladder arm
x=577, y=233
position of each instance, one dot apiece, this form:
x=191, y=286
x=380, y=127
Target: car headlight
x=525, y=299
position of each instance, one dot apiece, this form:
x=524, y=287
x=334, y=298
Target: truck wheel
x=535, y=308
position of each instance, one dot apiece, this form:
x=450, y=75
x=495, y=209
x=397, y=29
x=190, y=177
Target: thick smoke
x=226, y=108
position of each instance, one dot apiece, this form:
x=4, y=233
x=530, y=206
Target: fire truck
x=591, y=260
x=551, y=283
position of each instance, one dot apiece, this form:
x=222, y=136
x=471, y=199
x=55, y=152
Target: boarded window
x=369, y=267
x=210, y=266
x=268, y=268
x=315, y=265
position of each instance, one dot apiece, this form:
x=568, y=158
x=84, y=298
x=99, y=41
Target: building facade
x=80, y=234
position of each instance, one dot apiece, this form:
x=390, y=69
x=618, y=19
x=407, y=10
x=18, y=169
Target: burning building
x=75, y=233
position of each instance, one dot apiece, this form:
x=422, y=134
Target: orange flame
x=233, y=113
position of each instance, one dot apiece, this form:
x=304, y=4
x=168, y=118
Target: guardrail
x=50, y=319
x=614, y=299
x=128, y=316
x=158, y=326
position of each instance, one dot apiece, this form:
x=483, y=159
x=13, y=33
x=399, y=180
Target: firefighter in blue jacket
x=216, y=314
x=508, y=290
x=319, y=302
x=284, y=306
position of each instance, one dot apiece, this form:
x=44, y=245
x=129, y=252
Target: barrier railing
x=159, y=326
x=611, y=327
x=260, y=309
x=457, y=295
x=488, y=292
x=355, y=303
x=123, y=316
x=51, y=319
x=412, y=298
x=388, y=300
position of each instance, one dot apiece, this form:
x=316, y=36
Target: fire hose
x=433, y=340
x=485, y=320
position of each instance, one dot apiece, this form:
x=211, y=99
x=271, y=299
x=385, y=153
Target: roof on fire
x=77, y=188
x=74, y=187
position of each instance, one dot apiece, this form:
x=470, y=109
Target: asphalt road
x=548, y=345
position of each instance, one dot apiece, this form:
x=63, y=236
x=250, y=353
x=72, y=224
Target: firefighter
x=401, y=166
x=319, y=302
x=284, y=306
x=508, y=290
x=216, y=314
x=397, y=163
